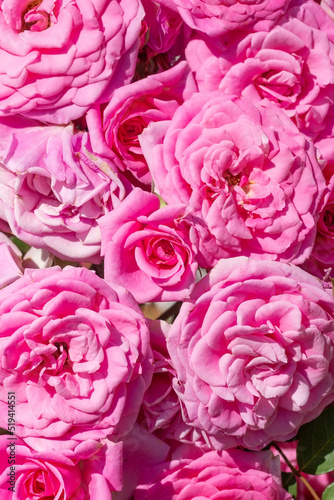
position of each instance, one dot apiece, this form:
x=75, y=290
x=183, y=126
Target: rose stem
x=297, y=472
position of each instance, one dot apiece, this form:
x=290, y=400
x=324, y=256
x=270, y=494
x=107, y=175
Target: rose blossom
x=88, y=471
x=76, y=353
x=164, y=25
x=253, y=352
x=160, y=402
x=131, y=108
x=246, y=170
x=232, y=475
x=10, y=261
x=53, y=188
x=292, y=65
x=147, y=249
x=59, y=58
x=322, y=256
x=217, y=17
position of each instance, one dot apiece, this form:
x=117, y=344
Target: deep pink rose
x=54, y=188
x=164, y=25
x=131, y=108
x=246, y=170
x=217, y=17
x=92, y=470
x=75, y=352
x=58, y=58
x=233, y=475
x=253, y=352
x=147, y=249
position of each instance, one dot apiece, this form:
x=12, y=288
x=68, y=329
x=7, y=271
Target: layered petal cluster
x=253, y=352
x=322, y=257
x=132, y=108
x=160, y=403
x=292, y=66
x=53, y=188
x=91, y=469
x=75, y=352
x=147, y=248
x=233, y=475
x=60, y=57
x=217, y=17
x=246, y=170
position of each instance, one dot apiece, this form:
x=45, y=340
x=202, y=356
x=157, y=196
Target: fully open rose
x=246, y=170
x=230, y=475
x=253, y=351
x=216, y=17
x=53, y=188
x=75, y=352
x=91, y=469
x=58, y=58
x=147, y=249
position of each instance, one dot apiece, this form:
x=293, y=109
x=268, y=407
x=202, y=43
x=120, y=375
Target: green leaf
x=289, y=482
x=21, y=245
x=328, y=494
x=315, y=450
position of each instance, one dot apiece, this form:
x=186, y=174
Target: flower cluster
x=176, y=153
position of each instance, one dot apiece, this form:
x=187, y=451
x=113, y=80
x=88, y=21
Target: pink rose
x=292, y=66
x=216, y=17
x=59, y=58
x=246, y=170
x=322, y=256
x=160, y=402
x=253, y=352
x=53, y=188
x=233, y=475
x=164, y=25
x=147, y=249
x=141, y=449
x=131, y=108
x=90, y=470
x=10, y=261
x=75, y=352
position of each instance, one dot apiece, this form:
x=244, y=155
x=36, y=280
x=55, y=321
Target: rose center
x=33, y=18
x=232, y=180
x=62, y=348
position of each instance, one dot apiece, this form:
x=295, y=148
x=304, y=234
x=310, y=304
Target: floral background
x=166, y=249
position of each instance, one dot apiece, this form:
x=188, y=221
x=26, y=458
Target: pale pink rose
x=54, y=188
x=131, y=108
x=58, y=58
x=253, y=352
x=292, y=66
x=10, y=261
x=318, y=482
x=90, y=470
x=233, y=475
x=141, y=449
x=246, y=170
x=322, y=256
x=147, y=249
x=160, y=403
x=75, y=352
x=217, y=17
